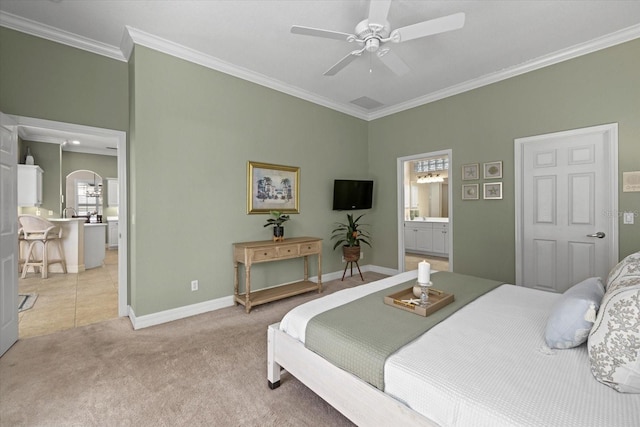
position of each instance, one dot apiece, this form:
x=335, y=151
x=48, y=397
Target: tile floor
x=69, y=300
x=411, y=262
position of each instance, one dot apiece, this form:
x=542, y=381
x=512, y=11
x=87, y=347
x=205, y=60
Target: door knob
x=599, y=235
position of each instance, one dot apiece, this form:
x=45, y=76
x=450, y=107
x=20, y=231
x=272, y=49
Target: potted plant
x=350, y=235
x=278, y=219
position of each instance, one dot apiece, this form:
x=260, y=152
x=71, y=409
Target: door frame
x=611, y=149
x=400, y=212
x=121, y=138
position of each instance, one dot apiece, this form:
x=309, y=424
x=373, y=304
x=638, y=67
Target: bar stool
x=39, y=230
x=21, y=243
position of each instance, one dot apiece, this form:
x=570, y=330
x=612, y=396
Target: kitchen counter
x=94, y=244
x=72, y=243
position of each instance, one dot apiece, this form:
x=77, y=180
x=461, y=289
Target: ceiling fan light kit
x=375, y=31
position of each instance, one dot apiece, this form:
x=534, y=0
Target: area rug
x=26, y=301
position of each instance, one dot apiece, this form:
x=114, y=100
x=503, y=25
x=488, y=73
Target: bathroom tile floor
x=69, y=300
x=411, y=261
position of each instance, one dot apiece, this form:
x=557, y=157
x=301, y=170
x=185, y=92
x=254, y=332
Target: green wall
x=193, y=132
x=47, y=156
x=481, y=125
x=47, y=80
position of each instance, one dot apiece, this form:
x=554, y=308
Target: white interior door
x=566, y=198
x=8, y=233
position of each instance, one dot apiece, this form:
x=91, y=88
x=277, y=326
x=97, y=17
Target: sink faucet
x=64, y=212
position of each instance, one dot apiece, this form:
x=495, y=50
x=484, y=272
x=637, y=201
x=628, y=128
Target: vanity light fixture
x=430, y=178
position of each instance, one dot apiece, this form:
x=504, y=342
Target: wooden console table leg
x=235, y=283
x=247, y=288
x=306, y=268
x=320, y=272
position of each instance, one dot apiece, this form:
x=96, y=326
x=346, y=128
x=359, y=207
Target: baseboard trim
x=178, y=313
x=147, y=320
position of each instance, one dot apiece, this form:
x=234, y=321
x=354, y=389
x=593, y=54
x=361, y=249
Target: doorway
x=566, y=201
x=425, y=210
x=118, y=139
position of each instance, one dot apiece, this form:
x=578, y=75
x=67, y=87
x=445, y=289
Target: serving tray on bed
x=437, y=300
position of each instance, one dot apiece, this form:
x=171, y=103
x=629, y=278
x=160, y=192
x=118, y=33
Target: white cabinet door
x=409, y=237
x=29, y=185
x=94, y=235
x=424, y=238
x=113, y=234
x=440, y=238
x=113, y=196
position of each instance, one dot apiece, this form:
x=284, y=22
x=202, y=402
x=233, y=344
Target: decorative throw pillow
x=614, y=341
x=573, y=314
x=625, y=273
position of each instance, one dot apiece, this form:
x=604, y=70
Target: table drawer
x=288, y=251
x=310, y=248
x=263, y=254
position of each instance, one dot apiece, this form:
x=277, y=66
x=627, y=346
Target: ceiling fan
x=372, y=33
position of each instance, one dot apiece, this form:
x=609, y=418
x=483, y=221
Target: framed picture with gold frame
x=272, y=188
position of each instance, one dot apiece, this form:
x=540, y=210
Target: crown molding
x=134, y=36
x=37, y=29
x=609, y=40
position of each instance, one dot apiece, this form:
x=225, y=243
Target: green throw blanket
x=360, y=335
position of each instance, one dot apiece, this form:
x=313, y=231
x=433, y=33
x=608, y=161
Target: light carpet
x=206, y=370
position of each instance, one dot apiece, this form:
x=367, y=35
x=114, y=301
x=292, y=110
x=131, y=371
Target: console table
x=249, y=253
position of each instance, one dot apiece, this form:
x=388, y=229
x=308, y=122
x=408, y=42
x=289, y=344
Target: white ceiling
x=252, y=39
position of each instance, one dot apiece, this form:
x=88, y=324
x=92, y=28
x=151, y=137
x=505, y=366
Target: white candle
x=424, y=272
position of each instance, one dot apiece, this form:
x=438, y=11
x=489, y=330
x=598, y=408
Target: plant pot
x=351, y=253
x=278, y=233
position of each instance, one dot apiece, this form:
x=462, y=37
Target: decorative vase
x=29, y=157
x=351, y=253
x=278, y=233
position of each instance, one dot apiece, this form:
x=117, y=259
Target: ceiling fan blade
x=343, y=62
x=378, y=11
x=428, y=28
x=393, y=61
x=316, y=32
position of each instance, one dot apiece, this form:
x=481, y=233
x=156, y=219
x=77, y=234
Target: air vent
x=366, y=102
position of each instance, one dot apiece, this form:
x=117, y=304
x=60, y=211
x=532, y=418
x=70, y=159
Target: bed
x=487, y=363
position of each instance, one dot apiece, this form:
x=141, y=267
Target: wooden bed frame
x=357, y=400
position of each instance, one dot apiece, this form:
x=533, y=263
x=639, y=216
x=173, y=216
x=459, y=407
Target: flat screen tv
x=351, y=194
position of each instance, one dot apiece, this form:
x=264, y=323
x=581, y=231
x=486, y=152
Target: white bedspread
x=488, y=365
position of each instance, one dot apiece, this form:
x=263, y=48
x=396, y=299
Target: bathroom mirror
x=83, y=194
x=426, y=188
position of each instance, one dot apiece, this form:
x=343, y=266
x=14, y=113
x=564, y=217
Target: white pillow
x=572, y=316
